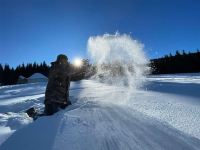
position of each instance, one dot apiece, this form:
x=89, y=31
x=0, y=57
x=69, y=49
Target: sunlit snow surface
x=164, y=114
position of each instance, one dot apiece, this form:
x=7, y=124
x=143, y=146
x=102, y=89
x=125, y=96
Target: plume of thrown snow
x=120, y=60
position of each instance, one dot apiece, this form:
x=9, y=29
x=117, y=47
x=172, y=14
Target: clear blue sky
x=38, y=30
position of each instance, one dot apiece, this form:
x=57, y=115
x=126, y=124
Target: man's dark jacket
x=57, y=90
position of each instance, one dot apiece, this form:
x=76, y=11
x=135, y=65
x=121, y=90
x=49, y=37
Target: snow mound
x=21, y=77
x=37, y=76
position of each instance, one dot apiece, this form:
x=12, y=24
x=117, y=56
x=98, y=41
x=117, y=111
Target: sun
x=77, y=62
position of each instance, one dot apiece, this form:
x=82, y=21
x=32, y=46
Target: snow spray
x=119, y=59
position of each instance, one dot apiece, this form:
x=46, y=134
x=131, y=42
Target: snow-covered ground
x=163, y=114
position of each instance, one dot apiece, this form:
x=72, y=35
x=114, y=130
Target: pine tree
x=1, y=74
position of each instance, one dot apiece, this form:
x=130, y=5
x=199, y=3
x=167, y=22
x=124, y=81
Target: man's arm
x=75, y=74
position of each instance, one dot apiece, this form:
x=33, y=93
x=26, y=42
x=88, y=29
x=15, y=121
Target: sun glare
x=77, y=62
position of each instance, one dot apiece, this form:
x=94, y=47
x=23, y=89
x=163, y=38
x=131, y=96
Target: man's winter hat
x=61, y=57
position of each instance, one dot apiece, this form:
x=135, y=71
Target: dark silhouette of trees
x=1, y=74
x=179, y=63
x=7, y=75
x=10, y=76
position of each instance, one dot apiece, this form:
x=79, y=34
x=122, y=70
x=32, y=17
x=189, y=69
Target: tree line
x=181, y=62
x=10, y=75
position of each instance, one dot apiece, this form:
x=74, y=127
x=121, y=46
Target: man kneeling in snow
x=57, y=91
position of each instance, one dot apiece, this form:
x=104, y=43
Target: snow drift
x=166, y=116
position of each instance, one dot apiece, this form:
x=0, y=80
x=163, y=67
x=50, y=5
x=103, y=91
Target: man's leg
x=68, y=102
x=50, y=109
x=67, y=99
